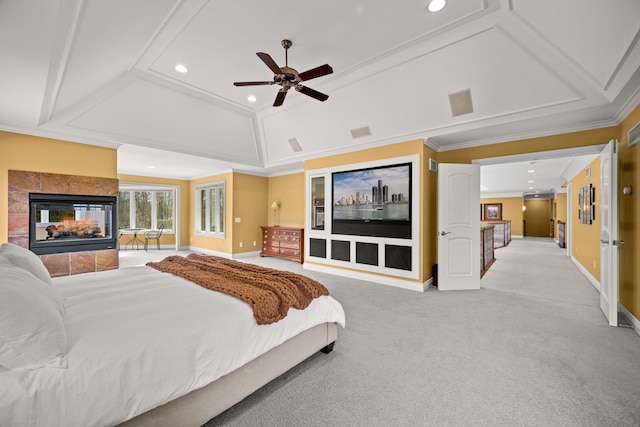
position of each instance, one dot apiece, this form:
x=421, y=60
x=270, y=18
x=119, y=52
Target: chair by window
x=153, y=235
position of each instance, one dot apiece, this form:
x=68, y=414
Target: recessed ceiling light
x=436, y=5
x=251, y=98
x=530, y=182
x=151, y=167
x=531, y=170
x=530, y=188
x=181, y=68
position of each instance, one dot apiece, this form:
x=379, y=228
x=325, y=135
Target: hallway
x=538, y=267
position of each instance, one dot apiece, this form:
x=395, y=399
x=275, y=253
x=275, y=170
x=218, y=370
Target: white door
x=458, y=227
x=609, y=242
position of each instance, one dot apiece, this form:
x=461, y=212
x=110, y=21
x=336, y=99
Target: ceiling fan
x=288, y=77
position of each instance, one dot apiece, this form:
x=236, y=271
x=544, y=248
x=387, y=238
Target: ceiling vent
x=461, y=102
x=634, y=135
x=295, y=145
x=539, y=196
x=360, y=132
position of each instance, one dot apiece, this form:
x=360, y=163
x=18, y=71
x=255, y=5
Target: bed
x=146, y=348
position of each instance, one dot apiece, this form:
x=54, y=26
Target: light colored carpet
x=531, y=348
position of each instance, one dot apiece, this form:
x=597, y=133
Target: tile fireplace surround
x=21, y=183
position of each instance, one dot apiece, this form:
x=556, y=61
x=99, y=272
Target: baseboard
x=516, y=236
x=245, y=254
x=634, y=322
x=369, y=277
x=209, y=252
x=595, y=282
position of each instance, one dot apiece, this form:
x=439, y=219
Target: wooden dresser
x=283, y=242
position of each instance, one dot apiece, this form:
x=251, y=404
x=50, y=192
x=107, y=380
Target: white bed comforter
x=138, y=338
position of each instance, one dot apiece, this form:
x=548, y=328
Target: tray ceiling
x=103, y=73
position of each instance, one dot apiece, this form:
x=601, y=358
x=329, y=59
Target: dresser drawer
x=290, y=252
x=290, y=245
x=288, y=234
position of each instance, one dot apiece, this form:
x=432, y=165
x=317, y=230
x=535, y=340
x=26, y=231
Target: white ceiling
x=102, y=72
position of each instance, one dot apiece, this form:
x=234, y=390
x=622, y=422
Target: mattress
x=138, y=338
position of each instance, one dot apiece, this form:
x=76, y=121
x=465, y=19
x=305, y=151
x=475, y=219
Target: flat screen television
x=372, y=202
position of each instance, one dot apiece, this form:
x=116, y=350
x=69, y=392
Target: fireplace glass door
x=71, y=223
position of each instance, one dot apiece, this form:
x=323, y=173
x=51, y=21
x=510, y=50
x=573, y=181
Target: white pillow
x=32, y=333
x=24, y=258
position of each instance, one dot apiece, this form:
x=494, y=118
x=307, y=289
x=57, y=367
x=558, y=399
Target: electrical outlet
x=237, y=219
x=254, y=243
x=241, y=244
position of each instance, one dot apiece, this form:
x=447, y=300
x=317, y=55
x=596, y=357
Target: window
x=146, y=208
x=210, y=209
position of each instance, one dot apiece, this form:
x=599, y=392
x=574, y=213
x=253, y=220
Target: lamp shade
x=274, y=206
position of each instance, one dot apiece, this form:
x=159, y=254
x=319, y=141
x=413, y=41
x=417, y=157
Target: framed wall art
x=493, y=211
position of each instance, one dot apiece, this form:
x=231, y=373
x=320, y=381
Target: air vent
x=634, y=135
x=461, y=102
x=295, y=145
x=360, y=132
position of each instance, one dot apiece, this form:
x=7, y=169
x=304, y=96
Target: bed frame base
x=327, y=349
x=199, y=406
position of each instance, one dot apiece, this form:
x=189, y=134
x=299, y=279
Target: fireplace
x=61, y=223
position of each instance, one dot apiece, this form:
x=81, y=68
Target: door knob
x=444, y=233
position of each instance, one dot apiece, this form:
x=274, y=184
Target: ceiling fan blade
x=266, y=58
x=280, y=98
x=251, y=83
x=320, y=71
x=312, y=93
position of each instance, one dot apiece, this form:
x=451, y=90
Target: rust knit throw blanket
x=269, y=292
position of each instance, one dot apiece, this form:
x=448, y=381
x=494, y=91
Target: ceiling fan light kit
x=288, y=77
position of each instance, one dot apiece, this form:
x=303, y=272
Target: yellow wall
x=288, y=191
x=246, y=199
x=511, y=210
x=533, y=145
x=560, y=211
x=538, y=217
x=586, y=237
x=629, y=217
x=249, y=204
x=224, y=245
x=184, y=208
x=36, y=154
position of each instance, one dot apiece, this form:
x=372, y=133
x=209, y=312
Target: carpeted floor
x=530, y=348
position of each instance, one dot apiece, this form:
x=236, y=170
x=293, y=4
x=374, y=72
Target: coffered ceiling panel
x=414, y=95
x=591, y=33
x=157, y=117
x=347, y=35
x=100, y=42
